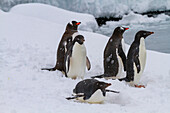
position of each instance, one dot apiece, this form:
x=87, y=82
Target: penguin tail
x=98, y=76
x=49, y=69
x=122, y=79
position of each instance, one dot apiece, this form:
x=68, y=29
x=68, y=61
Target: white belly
x=142, y=59
x=123, y=45
x=97, y=97
x=77, y=62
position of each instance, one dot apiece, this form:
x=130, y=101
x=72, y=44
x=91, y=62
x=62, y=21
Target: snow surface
x=28, y=44
x=56, y=15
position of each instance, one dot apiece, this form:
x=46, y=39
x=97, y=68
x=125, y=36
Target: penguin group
x=72, y=60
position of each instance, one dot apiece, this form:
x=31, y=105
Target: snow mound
x=56, y=15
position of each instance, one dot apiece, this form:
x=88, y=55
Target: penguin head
x=73, y=25
x=120, y=30
x=79, y=39
x=143, y=34
x=102, y=85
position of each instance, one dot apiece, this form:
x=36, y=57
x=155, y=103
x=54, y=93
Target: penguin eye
x=144, y=33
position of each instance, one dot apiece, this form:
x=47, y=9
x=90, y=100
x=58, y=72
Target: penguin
x=91, y=91
x=114, y=56
x=136, y=59
x=75, y=58
x=71, y=31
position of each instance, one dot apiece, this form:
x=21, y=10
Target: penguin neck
x=138, y=39
x=117, y=34
x=71, y=31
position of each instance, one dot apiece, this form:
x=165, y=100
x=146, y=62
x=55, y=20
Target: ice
x=160, y=25
x=27, y=44
x=98, y=8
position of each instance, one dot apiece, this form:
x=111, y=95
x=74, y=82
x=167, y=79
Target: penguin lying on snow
x=136, y=59
x=71, y=29
x=75, y=58
x=91, y=91
x=114, y=56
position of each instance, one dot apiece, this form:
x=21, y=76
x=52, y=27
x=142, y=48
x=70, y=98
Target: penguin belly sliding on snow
x=114, y=56
x=91, y=91
x=71, y=30
x=75, y=58
x=136, y=59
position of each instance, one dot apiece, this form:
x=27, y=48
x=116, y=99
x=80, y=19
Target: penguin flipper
x=74, y=97
x=137, y=63
x=122, y=56
x=67, y=63
x=107, y=90
x=88, y=63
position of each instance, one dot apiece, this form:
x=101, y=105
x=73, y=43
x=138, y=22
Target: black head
x=143, y=34
x=120, y=30
x=73, y=25
x=102, y=85
x=79, y=39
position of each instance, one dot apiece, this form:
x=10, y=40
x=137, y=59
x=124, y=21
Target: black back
x=89, y=86
x=133, y=55
x=114, y=44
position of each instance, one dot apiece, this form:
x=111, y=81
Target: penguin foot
x=139, y=86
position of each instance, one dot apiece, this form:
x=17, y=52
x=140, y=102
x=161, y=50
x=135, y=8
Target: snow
x=28, y=44
x=56, y=15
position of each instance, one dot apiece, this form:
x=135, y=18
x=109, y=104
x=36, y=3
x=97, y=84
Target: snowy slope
x=56, y=15
x=27, y=44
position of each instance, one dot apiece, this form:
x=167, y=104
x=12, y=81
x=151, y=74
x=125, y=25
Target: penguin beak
x=126, y=28
x=82, y=40
x=107, y=85
x=78, y=23
x=151, y=32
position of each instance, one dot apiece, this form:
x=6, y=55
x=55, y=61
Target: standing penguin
x=136, y=59
x=75, y=58
x=71, y=31
x=114, y=56
x=91, y=91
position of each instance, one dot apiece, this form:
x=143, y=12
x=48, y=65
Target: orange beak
x=151, y=32
x=78, y=23
x=126, y=28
